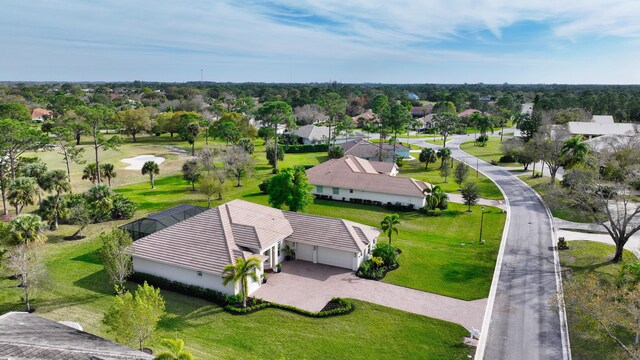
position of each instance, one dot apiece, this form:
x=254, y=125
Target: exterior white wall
x=347, y=195
x=183, y=275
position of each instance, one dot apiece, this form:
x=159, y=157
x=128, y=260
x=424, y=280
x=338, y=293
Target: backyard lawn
x=488, y=153
x=415, y=169
x=583, y=258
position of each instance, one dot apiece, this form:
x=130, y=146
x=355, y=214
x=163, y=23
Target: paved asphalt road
x=522, y=325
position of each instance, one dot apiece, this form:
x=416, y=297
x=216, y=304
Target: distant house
x=364, y=118
x=41, y=115
x=369, y=182
x=196, y=250
x=312, y=134
x=369, y=151
x=526, y=109
x=594, y=129
x=468, y=112
x=28, y=336
x=420, y=111
x=413, y=96
x=424, y=123
x=485, y=98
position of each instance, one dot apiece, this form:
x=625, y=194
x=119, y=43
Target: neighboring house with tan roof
x=196, y=250
x=602, y=119
x=361, y=181
x=314, y=134
x=364, y=118
x=468, y=112
x=369, y=151
x=590, y=130
x=41, y=115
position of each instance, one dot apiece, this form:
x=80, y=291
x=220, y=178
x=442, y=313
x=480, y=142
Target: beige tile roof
x=341, y=174
x=215, y=238
x=602, y=119
x=366, y=149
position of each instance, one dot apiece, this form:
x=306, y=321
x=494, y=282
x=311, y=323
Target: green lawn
x=401, y=142
x=586, y=257
x=559, y=207
x=488, y=153
x=78, y=291
x=415, y=169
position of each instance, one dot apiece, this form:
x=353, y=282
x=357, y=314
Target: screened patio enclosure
x=158, y=221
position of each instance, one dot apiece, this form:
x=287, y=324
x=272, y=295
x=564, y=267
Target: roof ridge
x=225, y=221
x=356, y=239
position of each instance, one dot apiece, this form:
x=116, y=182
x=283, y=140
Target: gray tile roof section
x=596, y=129
x=328, y=232
x=27, y=336
x=340, y=174
x=215, y=238
x=312, y=132
x=602, y=119
x=366, y=149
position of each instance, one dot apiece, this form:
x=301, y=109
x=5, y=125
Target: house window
x=351, y=191
x=320, y=189
x=278, y=249
x=199, y=273
x=336, y=191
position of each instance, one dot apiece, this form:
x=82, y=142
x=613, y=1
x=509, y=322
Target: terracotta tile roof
x=28, y=336
x=340, y=174
x=468, y=112
x=39, y=113
x=215, y=238
x=367, y=115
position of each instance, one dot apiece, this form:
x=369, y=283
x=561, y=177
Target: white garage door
x=304, y=252
x=343, y=259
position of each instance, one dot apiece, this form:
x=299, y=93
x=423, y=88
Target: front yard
x=490, y=152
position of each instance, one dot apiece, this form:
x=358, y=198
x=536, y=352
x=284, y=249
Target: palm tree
x=427, y=155
x=27, y=229
x=436, y=197
x=444, y=154
x=100, y=202
x=89, y=173
x=108, y=170
x=574, y=150
x=240, y=272
x=389, y=225
x=175, y=350
x=23, y=191
x=151, y=168
x=38, y=171
x=56, y=181
x=484, y=123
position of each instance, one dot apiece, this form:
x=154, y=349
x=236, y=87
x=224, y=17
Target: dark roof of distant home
x=28, y=336
x=217, y=237
x=367, y=150
x=421, y=110
x=352, y=172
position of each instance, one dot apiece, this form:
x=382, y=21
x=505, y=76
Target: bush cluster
x=298, y=149
x=384, y=258
x=507, y=159
x=336, y=152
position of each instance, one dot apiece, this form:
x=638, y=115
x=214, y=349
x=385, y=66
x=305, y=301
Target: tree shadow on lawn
x=460, y=273
x=185, y=317
x=92, y=257
x=97, y=282
x=255, y=194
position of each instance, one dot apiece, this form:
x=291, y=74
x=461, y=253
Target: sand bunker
x=137, y=162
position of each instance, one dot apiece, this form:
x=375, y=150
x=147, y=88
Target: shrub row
x=182, y=288
x=297, y=149
x=337, y=306
x=391, y=206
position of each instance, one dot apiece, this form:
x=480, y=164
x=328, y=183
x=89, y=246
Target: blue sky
x=453, y=41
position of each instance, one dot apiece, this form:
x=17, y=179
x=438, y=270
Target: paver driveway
x=310, y=286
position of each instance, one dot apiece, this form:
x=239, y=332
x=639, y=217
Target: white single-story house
x=354, y=179
x=602, y=127
x=196, y=250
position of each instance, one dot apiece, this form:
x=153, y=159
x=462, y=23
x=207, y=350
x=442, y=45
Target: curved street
x=519, y=322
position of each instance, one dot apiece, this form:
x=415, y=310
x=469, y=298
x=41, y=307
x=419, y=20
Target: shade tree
x=290, y=187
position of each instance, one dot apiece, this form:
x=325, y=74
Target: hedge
x=297, y=149
x=338, y=306
x=343, y=307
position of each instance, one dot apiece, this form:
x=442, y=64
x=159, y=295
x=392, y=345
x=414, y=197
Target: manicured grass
x=559, y=207
x=79, y=291
x=591, y=258
x=488, y=153
x=416, y=170
x=401, y=142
